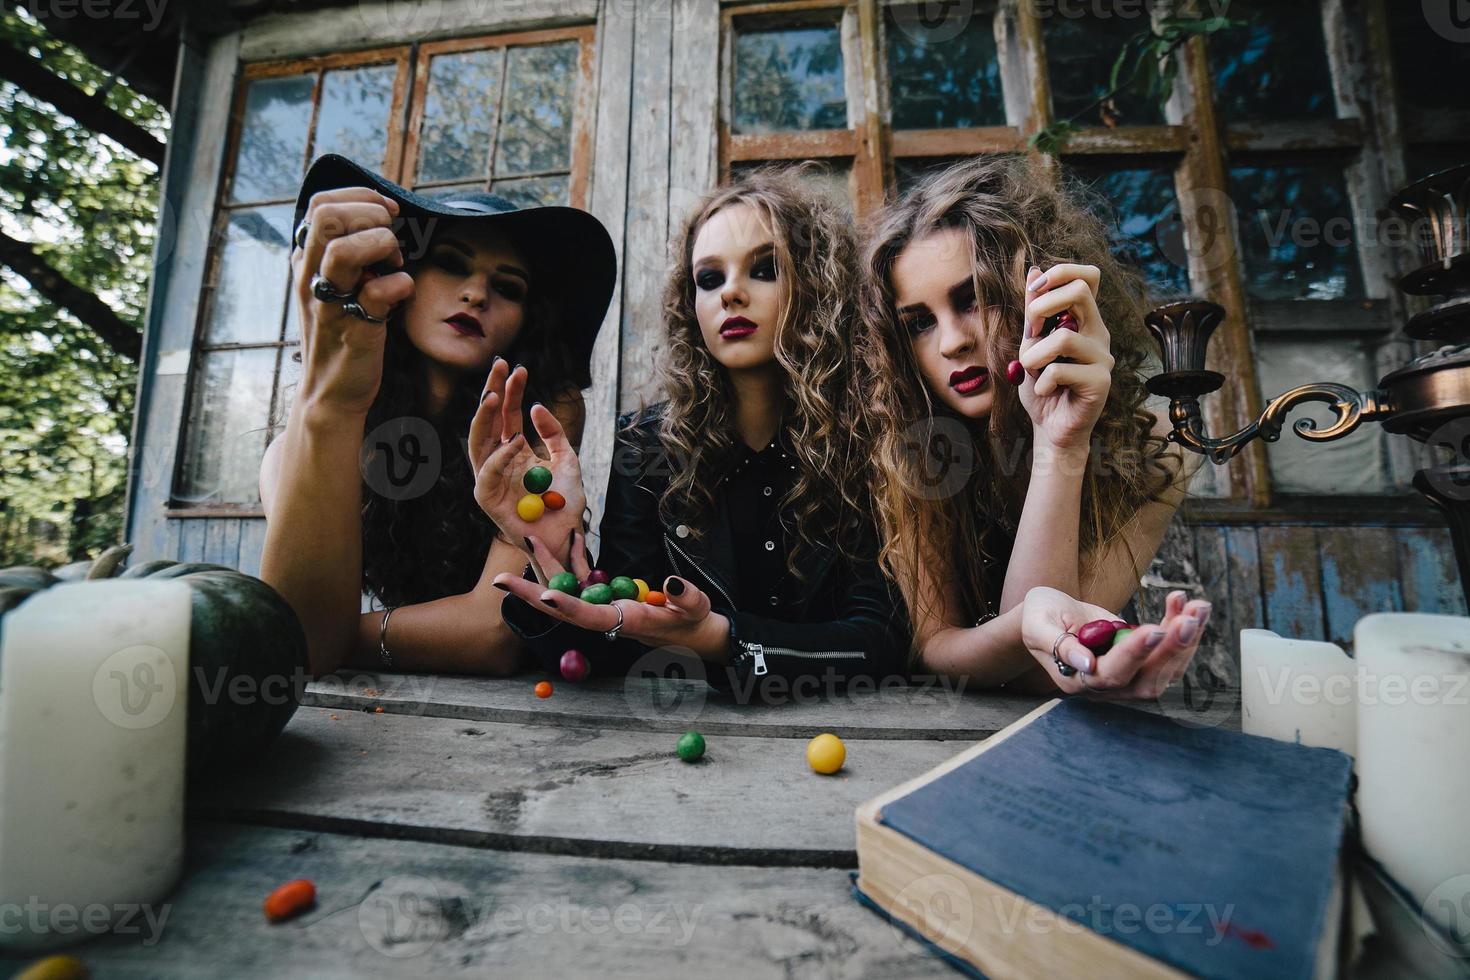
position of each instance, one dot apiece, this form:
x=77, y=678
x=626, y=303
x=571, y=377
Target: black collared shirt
x=754, y=487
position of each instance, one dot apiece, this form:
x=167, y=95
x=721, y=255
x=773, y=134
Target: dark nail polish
x=676, y=586
x=502, y=587
x=535, y=404
x=529, y=546
x=551, y=603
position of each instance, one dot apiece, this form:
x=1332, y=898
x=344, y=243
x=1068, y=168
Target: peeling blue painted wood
x=1359, y=577
x=1292, y=581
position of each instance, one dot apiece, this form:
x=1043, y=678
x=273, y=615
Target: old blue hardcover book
x=1211, y=851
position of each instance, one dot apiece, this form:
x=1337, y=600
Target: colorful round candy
x=598, y=577
x=1097, y=635
x=826, y=753
x=543, y=690
x=690, y=747
x=642, y=589
x=530, y=508
x=1120, y=636
x=574, y=666
x=564, y=582
x=655, y=598
x=1015, y=373
x=537, y=479
x=599, y=594
x=623, y=588
x=553, y=500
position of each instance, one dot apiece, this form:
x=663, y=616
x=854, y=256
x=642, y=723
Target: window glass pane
x=1296, y=232
x=1275, y=67
x=539, y=98
x=1135, y=201
x=250, y=279
x=530, y=192
x=1355, y=464
x=943, y=80
x=293, y=313
x=831, y=177
x=459, y=115
x=289, y=371
x=353, y=118
x=232, y=397
x=1080, y=53
x=1431, y=47
x=907, y=171
x=273, y=139
x=789, y=79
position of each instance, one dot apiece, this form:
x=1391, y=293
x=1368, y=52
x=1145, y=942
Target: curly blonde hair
x=1015, y=216
x=815, y=254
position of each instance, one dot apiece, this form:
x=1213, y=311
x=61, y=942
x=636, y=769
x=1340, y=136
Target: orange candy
x=290, y=899
x=543, y=690
x=655, y=598
x=553, y=500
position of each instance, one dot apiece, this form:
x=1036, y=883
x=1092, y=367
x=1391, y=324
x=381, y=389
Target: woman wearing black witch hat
x=406, y=304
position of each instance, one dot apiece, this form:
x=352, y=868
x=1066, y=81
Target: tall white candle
x=1413, y=734
x=93, y=703
x=1300, y=691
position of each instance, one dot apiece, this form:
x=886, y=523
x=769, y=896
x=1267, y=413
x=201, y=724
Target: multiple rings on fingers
x=354, y=308
x=299, y=235
x=612, y=634
x=1065, y=669
x=326, y=291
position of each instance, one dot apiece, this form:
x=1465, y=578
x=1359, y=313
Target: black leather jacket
x=851, y=621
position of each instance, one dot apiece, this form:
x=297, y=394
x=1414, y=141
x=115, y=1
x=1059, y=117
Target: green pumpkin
x=243, y=638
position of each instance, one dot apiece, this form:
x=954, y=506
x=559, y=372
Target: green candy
x=598, y=595
x=623, y=588
x=537, y=479
x=1120, y=636
x=563, y=582
x=691, y=746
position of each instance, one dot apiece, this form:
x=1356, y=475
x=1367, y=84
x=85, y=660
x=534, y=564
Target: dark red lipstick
x=970, y=380
x=736, y=327
x=466, y=324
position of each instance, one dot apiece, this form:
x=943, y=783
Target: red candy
x=1015, y=373
x=1068, y=322
x=598, y=577
x=574, y=666
x=1097, y=635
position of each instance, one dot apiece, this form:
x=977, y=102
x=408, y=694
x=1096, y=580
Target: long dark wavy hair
x=1007, y=209
x=434, y=545
x=815, y=256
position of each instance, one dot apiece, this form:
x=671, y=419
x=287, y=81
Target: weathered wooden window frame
x=399, y=162
x=1198, y=146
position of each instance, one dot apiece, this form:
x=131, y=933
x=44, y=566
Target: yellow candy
x=642, y=588
x=825, y=753
x=530, y=507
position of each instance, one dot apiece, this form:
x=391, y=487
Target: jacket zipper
x=692, y=564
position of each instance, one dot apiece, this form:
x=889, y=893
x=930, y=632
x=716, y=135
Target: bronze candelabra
x=1427, y=399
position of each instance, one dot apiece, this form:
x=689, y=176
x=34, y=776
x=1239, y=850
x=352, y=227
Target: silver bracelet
x=383, y=653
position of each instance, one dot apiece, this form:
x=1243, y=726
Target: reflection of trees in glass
x=945, y=85
x=789, y=79
x=273, y=139
x=1301, y=247
x=353, y=117
x=227, y=426
x=459, y=115
x=537, y=132
x=1133, y=202
x=1080, y=53
x=1275, y=67
x=530, y=192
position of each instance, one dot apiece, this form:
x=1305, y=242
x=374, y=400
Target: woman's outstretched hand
x=683, y=620
x=501, y=457
x=348, y=230
x=1069, y=372
x=1142, y=666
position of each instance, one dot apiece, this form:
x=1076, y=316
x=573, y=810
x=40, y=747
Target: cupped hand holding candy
x=1142, y=665
x=521, y=505
x=1069, y=372
x=683, y=620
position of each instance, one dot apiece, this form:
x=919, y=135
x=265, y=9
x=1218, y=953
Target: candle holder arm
x=1350, y=408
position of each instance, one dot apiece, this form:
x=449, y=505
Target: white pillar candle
x=1301, y=691
x=1413, y=734
x=93, y=703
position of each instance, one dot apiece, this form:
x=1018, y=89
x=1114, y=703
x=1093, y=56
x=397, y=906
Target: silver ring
x=299, y=235
x=612, y=634
x=353, y=308
x=1065, y=669
x=326, y=291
